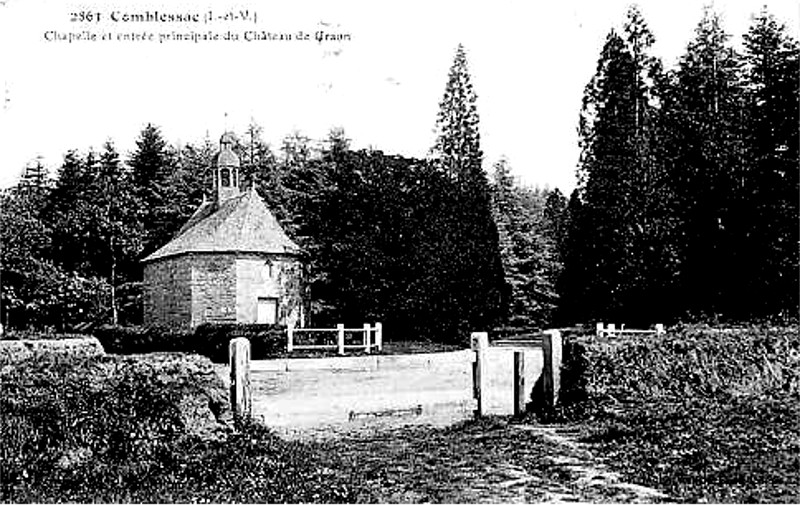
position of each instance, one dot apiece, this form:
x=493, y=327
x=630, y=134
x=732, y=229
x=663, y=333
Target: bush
x=58, y=415
x=210, y=340
x=14, y=351
x=144, y=339
x=38, y=335
x=117, y=429
x=266, y=341
x=691, y=362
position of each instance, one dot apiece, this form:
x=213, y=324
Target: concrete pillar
x=551, y=372
x=340, y=340
x=519, y=383
x=239, y=361
x=479, y=342
x=379, y=336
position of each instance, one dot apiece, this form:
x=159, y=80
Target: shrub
x=38, y=335
x=266, y=340
x=144, y=339
x=116, y=429
x=12, y=351
x=60, y=414
x=210, y=340
x=691, y=362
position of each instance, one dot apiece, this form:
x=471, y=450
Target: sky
x=381, y=81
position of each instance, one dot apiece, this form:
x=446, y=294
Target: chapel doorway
x=267, y=312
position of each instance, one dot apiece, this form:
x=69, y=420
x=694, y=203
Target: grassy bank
x=145, y=429
x=703, y=414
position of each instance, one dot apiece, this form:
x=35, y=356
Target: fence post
x=340, y=328
x=599, y=329
x=479, y=342
x=379, y=336
x=366, y=337
x=519, y=383
x=239, y=361
x=289, y=339
x=551, y=373
x=659, y=329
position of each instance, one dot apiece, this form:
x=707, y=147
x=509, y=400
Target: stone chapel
x=230, y=263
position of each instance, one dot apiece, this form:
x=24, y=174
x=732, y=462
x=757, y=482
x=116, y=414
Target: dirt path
x=592, y=479
x=487, y=462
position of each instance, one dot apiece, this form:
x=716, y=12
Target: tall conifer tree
x=473, y=274
x=153, y=166
x=620, y=226
x=773, y=75
x=711, y=161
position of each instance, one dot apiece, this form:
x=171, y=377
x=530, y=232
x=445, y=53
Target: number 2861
x=84, y=17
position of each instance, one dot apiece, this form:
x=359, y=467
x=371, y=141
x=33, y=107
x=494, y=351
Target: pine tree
x=457, y=150
x=505, y=205
x=710, y=167
x=34, y=178
x=260, y=166
x=473, y=275
x=69, y=215
x=528, y=252
x=152, y=169
x=571, y=285
x=623, y=185
x=118, y=226
x=772, y=71
x=556, y=219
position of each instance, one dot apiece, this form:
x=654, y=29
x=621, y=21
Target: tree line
x=686, y=206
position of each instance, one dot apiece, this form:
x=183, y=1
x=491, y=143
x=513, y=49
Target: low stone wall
x=363, y=363
x=12, y=351
x=342, y=393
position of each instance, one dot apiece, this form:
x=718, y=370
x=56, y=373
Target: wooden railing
x=611, y=330
x=371, y=338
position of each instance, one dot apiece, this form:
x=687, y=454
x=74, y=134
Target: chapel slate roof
x=240, y=224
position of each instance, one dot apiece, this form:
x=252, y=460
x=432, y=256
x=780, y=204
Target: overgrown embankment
x=701, y=413
x=147, y=428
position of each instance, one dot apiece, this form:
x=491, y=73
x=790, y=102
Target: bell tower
x=226, y=175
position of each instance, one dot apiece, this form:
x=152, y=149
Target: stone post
x=366, y=338
x=519, y=383
x=379, y=336
x=479, y=342
x=551, y=372
x=239, y=360
x=340, y=340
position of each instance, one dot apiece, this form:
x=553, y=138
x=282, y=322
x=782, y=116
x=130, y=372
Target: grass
x=124, y=429
x=747, y=451
x=702, y=414
x=485, y=461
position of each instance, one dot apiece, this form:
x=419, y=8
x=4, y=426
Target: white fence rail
x=371, y=338
x=611, y=330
